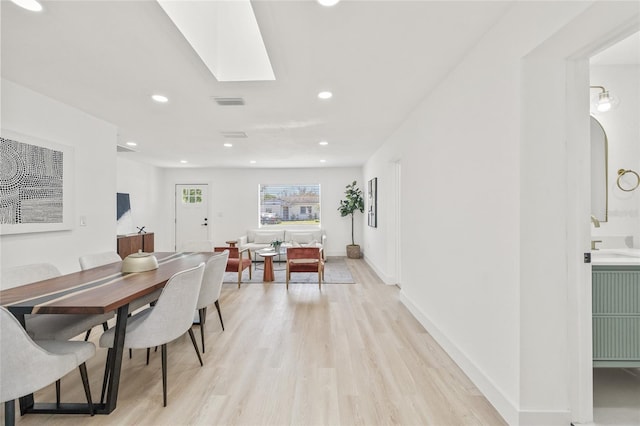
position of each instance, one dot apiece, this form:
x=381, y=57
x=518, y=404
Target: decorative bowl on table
x=139, y=262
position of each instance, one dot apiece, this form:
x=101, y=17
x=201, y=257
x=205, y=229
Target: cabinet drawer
x=616, y=293
x=616, y=338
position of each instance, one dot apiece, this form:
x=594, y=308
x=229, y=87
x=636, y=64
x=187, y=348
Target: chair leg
x=202, y=313
x=219, y=316
x=10, y=413
x=249, y=271
x=86, y=336
x=239, y=276
x=85, y=383
x=130, y=353
x=148, y=352
x=288, y=276
x=106, y=375
x=58, y=393
x=164, y=374
x=195, y=346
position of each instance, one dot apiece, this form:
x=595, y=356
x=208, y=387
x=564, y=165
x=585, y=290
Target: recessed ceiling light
x=328, y=2
x=160, y=98
x=325, y=95
x=184, y=161
x=323, y=143
x=252, y=162
x=32, y=5
x=132, y=143
x=323, y=161
x=228, y=145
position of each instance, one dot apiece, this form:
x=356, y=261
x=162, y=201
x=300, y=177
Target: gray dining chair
x=210, y=290
x=200, y=245
x=50, y=326
x=95, y=260
x=27, y=365
x=168, y=319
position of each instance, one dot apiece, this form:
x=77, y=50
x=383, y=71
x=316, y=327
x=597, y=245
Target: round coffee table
x=268, y=277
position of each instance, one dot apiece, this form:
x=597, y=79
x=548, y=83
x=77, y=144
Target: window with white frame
x=289, y=204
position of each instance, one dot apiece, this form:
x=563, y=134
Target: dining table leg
x=116, y=361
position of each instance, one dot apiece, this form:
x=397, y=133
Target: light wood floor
x=351, y=354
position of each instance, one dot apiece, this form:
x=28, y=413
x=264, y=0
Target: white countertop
x=622, y=256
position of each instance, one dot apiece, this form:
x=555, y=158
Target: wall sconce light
x=603, y=101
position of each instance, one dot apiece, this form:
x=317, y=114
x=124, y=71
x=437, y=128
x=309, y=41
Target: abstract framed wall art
x=36, y=178
x=372, y=212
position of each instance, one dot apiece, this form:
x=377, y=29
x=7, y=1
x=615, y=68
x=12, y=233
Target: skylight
x=226, y=36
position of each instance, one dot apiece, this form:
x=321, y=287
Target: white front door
x=192, y=214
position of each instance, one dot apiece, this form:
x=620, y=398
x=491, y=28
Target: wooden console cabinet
x=128, y=244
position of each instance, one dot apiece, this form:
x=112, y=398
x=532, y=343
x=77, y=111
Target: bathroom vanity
x=616, y=308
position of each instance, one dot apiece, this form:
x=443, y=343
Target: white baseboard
x=547, y=418
x=385, y=279
x=501, y=402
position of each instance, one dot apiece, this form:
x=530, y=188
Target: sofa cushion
x=265, y=237
x=295, y=235
x=301, y=237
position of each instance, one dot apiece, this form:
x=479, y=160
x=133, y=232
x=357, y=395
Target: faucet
x=596, y=224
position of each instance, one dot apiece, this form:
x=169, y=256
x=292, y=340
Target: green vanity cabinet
x=616, y=315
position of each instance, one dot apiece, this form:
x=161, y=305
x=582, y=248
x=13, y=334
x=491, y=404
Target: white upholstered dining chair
x=210, y=290
x=168, y=319
x=201, y=245
x=27, y=365
x=50, y=326
x=95, y=260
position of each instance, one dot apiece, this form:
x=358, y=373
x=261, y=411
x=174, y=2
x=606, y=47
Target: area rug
x=336, y=271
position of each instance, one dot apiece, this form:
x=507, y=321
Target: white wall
x=143, y=184
x=484, y=214
x=93, y=140
x=233, y=195
x=623, y=133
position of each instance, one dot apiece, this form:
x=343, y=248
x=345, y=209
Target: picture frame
x=372, y=206
x=36, y=184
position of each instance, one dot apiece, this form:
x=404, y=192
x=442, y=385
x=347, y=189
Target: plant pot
x=353, y=251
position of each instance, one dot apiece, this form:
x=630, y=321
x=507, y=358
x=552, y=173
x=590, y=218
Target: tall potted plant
x=353, y=201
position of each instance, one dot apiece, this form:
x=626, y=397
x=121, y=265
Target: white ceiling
x=379, y=58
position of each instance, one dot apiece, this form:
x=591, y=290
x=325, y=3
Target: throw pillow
x=301, y=238
x=312, y=243
x=265, y=237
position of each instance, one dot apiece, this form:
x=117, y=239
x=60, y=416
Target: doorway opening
x=614, y=74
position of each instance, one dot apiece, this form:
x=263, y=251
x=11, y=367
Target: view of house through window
x=289, y=204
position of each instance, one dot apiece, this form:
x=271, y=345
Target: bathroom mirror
x=599, y=184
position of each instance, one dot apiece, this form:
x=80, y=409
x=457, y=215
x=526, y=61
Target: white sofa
x=257, y=239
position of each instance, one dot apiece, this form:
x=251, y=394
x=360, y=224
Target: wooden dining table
x=94, y=291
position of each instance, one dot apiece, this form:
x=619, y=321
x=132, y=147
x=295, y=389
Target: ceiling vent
x=122, y=148
x=228, y=101
x=234, y=135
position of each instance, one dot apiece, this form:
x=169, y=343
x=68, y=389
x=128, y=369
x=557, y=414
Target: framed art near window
x=372, y=213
